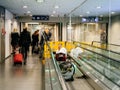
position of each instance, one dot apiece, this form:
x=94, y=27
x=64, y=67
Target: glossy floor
x=25, y=77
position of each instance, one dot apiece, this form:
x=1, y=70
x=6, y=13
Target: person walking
x=46, y=35
x=15, y=39
x=35, y=40
x=25, y=41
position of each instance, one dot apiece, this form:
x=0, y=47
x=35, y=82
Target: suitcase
x=60, y=57
x=36, y=49
x=18, y=58
x=67, y=70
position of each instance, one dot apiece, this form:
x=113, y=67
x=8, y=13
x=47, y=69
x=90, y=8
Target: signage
x=91, y=19
x=40, y=17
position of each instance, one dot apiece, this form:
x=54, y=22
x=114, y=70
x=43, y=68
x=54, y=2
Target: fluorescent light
x=25, y=6
x=33, y=23
x=98, y=7
x=40, y=1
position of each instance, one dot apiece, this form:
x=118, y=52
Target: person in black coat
x=25, y=41
x=46, y=35
x=15, y=38
x=35, y=39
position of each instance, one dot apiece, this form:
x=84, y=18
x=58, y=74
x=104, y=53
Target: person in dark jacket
x=15, y=38
x=25, y=41
x=35, y=39
x=46, y=35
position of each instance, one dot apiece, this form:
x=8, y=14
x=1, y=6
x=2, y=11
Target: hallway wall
x=2, y=33
x=114, y=31
x=10, y=24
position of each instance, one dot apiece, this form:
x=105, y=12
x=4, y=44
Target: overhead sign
x=92, y=19
x=40, y=17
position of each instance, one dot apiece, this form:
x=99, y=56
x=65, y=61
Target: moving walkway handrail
x=102, y=65
x=102, y=74
x=93, y=68
x=112, y=59
x=100, y=48
x=83, y=72
x=107, y=44
x=57, y=69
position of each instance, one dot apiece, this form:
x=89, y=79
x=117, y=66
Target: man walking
x=25, y=41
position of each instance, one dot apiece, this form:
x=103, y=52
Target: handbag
x=36, y=49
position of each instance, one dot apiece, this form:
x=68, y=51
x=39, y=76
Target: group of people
x=75, y=52
x=24, y=41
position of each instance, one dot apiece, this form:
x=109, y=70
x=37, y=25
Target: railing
x=101, y=42
x=110, y=47
x=100, y=48
x=54, y=68
x=101, y=66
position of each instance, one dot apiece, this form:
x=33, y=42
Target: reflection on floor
x=29, y=76
x=25, y=77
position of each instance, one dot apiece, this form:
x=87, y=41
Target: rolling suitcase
x=18, y=58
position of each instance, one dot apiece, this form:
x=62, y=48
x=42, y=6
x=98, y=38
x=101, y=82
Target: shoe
x=24, y=63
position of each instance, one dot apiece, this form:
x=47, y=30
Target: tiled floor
x=25, y=77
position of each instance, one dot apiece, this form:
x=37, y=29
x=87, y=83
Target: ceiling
x=66, y=7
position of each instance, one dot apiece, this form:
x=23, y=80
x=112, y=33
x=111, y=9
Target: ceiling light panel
x=56, y=6
x=40, y=1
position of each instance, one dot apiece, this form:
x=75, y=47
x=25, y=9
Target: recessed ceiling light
x=54, y=12
x=81, y=15
x=28, y=12
x=101, y=15
x=112, y=12
x=87, y=12
x=25, y=6
x=40, y=1
x=98, y=7
x=52, y=15
x=56, y=6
